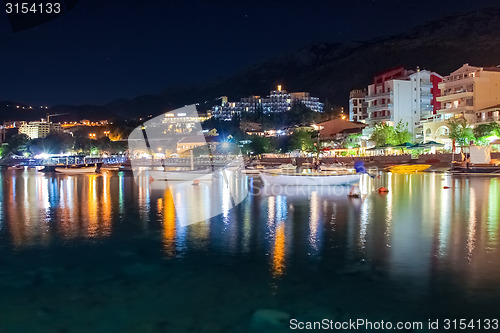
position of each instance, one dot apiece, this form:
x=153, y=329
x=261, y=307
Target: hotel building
x=470, y=92
x=39, y=129
x=181, y=123
x=278, y=101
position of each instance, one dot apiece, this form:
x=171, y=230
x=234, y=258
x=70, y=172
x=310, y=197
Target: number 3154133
x=32, y=8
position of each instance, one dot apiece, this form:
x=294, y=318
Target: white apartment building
x=403, y=95
x=39, y=129
x=357, y=106
x=470, y=92
x=424, y=99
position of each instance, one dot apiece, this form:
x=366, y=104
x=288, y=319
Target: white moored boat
x=309, y=179
x=187, y=175
x=73, y=170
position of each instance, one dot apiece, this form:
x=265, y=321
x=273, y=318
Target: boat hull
x=179, y=176
x=408, y=168
x=78, y=170
x=250, y=172
x=16, y=167
x=110, y=167
x=308, y=180
x=476, y=169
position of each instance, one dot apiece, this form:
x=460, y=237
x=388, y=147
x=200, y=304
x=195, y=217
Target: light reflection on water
x=416, y=235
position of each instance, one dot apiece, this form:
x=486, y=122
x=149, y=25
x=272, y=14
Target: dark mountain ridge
x=331, y=70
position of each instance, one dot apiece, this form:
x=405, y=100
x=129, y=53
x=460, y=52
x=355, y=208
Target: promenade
x=433, y=159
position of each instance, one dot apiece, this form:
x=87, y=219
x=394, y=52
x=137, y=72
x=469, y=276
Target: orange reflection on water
x=92, y=217
x=41, y=207
x=169, y=228
x=279, y=251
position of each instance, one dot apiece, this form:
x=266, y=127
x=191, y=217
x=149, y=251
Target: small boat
x=408, y=168
x=284, y=168
x=478, y=162
x=183, y=176
x=477, y=169
x=48, y=168
x=16, y=167
x=111, y=167
x=309, y=179
x=250, y=171
x=78, y=169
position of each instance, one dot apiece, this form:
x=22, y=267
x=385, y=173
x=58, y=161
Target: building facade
x=39, y=129
x=357, y=106
x=181, y=123
x=278, y=101
x=470, y=92
x=386, y=87
x=338, y=128
x=403, y=95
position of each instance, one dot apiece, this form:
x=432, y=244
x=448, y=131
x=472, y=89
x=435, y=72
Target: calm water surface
x=97, y=253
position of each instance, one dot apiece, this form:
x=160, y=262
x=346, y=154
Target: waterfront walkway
x=434, y=159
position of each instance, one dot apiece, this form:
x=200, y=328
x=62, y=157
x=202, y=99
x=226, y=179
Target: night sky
x=107, y=49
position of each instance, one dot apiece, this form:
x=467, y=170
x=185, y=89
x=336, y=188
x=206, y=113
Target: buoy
x=196, y=182
x=445, y=187
x=383, y=190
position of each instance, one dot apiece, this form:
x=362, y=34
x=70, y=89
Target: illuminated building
x=39, y=129
x=403, y=95
x=278, y=101
x=357, y=105
x=181, y=123
x=338, y=129
x=190, y=142
x=470, y=92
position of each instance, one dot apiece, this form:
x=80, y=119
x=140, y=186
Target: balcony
x=487, y=120
x=380, y=107
x=372, y=97
x=431, y=119
x=455, y=95
x=378, y=119
x=461, y=108
x=461, y=77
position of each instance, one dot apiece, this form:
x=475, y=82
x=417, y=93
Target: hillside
x=330, y=71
